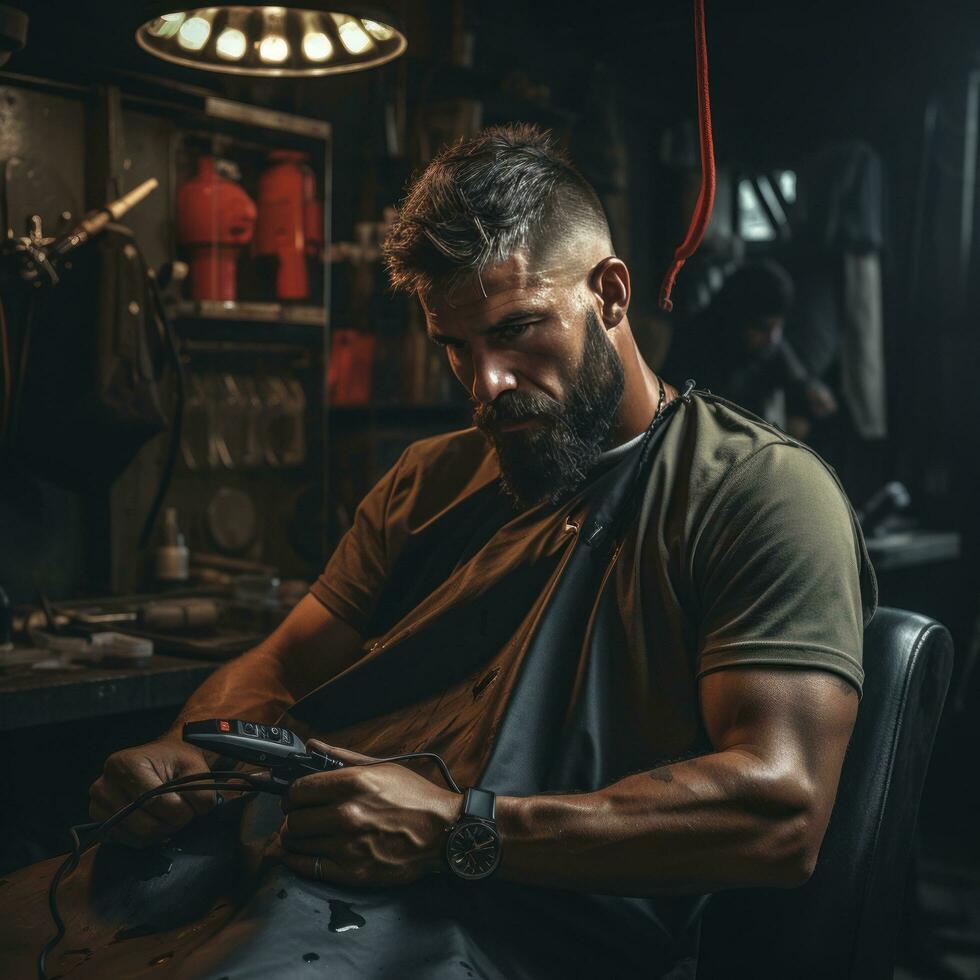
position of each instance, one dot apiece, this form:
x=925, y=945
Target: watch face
x=473, y=850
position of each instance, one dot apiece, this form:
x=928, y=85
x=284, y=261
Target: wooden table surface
x=30, y=697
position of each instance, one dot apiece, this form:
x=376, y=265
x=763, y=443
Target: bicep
x=795, y=722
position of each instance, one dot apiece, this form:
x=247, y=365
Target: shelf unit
x=250, y=338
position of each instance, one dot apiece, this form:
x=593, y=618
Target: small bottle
x=172, y=557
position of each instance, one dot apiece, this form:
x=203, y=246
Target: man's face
x=543, y=376
x=760, y=333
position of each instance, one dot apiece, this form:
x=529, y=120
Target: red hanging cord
x=706, y=196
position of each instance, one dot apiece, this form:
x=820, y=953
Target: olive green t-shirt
x=745, y=552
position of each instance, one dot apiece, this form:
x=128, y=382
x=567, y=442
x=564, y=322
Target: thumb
x=347, y=756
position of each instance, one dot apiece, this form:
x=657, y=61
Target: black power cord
x=169, y=338
x=437, y=759
x=228, y=779
x=186, y=784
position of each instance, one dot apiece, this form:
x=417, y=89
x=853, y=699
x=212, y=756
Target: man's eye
x=448, y=343
x=511, y=330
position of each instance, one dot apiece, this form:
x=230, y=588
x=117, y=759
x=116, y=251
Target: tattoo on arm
x=663, y=773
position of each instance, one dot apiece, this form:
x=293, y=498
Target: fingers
x=305, y=865
x=347, y=756
x=321, y=788
x=138, y=828
x=315, y=821
x=200, y=801
x=131, y=773
x=344, y=868
x=176, y=811
x=132, y=780
x=308, y=845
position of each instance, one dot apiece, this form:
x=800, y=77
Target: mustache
x=515, y=406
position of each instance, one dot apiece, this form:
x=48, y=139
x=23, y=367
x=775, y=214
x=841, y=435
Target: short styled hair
x=481, y=200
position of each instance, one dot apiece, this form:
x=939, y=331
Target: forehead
x=503, y=287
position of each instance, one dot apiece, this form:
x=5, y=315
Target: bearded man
x=628, y=617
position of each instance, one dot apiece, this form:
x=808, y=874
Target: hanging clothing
x=863, y=345
x=837, y=271
x=840, y=196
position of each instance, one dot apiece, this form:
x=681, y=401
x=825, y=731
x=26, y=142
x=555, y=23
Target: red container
x=285, y=194
x=215, y=221
x=313, y=218
x=351, y=368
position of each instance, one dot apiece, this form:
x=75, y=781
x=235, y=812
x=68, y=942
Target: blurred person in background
x=736, y=349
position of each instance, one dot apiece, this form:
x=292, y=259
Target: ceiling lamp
x=255, y=39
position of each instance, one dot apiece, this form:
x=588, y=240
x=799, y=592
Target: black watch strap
x=481, y=803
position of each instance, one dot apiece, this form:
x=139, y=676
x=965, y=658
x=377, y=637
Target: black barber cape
x=557, y=734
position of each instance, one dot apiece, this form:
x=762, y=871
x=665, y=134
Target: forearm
x=720, y=820
x=308, y=648
x=252, y=686
x=792, y=368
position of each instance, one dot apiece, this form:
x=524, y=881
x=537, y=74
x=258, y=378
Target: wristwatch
x=473, y=846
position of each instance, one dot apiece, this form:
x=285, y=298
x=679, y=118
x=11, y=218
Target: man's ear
x=610, y=283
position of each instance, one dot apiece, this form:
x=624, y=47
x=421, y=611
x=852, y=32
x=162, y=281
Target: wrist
x=473, y=844
x=539, y=834
x=448, y=809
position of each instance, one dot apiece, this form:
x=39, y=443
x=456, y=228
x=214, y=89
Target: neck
x=641, y=393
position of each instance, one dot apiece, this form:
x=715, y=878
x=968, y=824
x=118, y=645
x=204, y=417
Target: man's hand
x=368, y=825
x=133, y=771
x=820, y=399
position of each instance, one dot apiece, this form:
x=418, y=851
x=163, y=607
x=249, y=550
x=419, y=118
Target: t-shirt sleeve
x=780, y=569
x=353, y=578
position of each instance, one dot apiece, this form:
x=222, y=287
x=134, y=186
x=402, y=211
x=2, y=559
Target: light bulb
x=194, y=33
x=166, y=25
x=380, y=32
x=352, y=35
x=231, y=44
x=274, y=48
x=317, y=46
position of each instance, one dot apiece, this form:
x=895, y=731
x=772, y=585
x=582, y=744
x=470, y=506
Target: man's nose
x=491, y=377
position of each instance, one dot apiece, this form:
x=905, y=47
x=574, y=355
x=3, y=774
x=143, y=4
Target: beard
x=550, y=459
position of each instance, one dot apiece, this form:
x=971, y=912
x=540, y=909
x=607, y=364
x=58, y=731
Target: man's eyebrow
x=515, y=316
x=439, y=338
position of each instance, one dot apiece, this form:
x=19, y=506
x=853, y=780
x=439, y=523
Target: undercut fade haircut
x=481, y=200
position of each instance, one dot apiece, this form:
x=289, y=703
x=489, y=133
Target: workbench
x=58, y=726
x=30, y=697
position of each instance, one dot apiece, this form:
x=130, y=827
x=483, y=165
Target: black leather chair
x=843, y=923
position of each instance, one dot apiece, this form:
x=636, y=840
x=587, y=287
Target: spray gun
x=39, y=257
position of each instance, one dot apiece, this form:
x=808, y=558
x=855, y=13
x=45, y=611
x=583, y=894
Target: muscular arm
x=308, y=648
x=753, y=812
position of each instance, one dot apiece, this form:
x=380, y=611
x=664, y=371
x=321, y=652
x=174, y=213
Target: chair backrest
x=842, y=924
